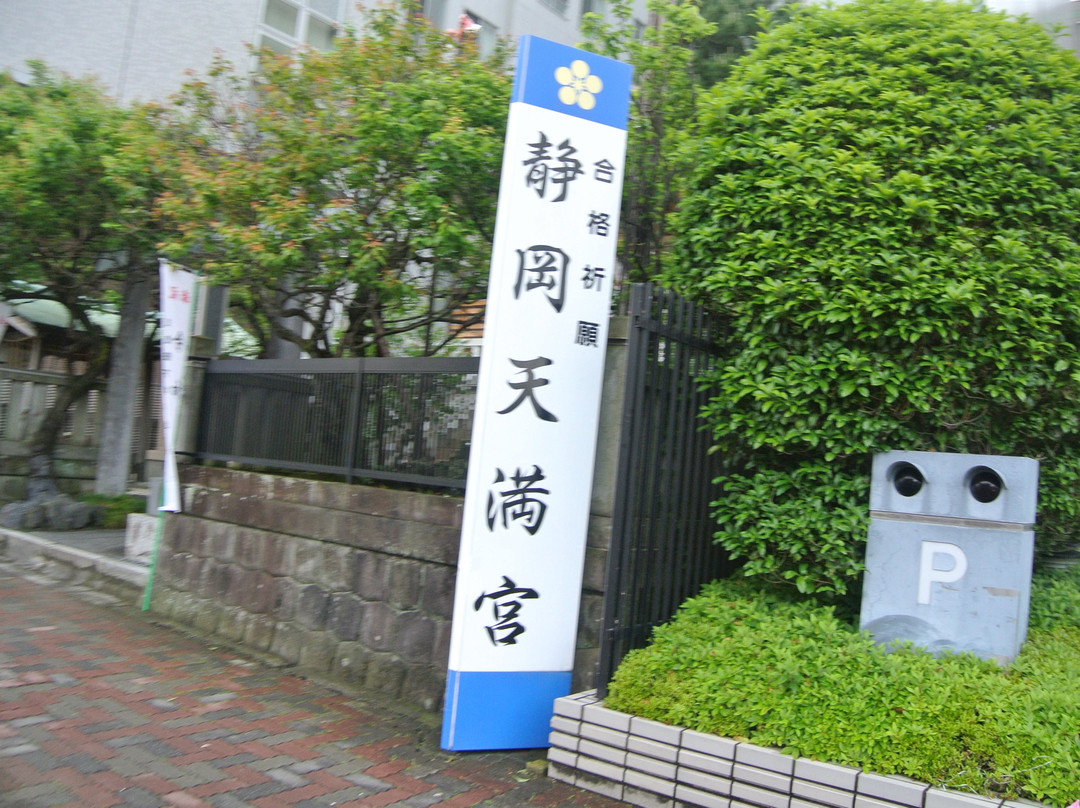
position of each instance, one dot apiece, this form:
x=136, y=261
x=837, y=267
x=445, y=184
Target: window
x=558, y=6
x=434, y=10
x=288, y=24
x=592, y=6
x=487, y=35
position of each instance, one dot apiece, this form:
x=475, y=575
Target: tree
x=737, y=22
x=76, y=187
x=352, y=191
x=883, y=200
x=662, y=110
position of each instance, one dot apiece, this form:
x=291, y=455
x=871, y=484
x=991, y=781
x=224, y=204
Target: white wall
x=139, y=49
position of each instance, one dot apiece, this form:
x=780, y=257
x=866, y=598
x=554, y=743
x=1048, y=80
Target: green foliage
x=755, y=664
x=114, y=510
x=883, y=200
x=737, y=22
x=78, y=178
x=661, y=112
x=362, y=181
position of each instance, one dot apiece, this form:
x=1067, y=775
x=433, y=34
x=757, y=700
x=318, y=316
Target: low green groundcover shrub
x=114, y=510
x=759, y=665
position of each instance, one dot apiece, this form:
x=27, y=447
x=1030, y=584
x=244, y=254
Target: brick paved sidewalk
x=101, y=707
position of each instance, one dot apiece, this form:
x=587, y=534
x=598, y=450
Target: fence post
x=353, y=424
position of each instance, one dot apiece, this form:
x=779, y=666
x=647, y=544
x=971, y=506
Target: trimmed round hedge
x=884, y=200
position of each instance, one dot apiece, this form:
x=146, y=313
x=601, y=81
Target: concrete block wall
x=655, y=765
x=347, y=581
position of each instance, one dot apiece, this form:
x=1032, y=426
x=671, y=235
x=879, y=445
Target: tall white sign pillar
x=538, y=400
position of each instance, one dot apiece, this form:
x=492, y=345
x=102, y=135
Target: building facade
x=144, y=49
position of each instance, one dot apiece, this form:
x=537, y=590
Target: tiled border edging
x=656, y=765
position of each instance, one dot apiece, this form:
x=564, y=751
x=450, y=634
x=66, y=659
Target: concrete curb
x=73, y=564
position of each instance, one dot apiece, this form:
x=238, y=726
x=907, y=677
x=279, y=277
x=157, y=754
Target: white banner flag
x=177, y=300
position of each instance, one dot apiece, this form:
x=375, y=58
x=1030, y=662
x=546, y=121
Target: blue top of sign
x=572, y=81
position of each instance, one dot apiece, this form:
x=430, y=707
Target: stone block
x=562, y=765
x=602, y=716
x=287, y=641
x=863, y=801
x=569, y=707
x=233, y=624
x=317, y=650
x=823, y=795
x=219, y=580
x=759, y=796
x=652, y=749
x=709, y=744
x=586, y=665
x=405, y=578
x=260, y=592
x=161, y=602
x=312, y=607
x=64, y=513
x=140, y=532
x=893, y=789
x=385, y=674
x=259, y=632
x=762, y=757
x=440, y=646
x=415, y=637
x=280, y=554
x=371, y=579
x=761, y=777
x=207, y=617
x=344, y=615
x=350, y=662
x=286, y=598
x=601, y=751
x=240, y=585
x=377, y=626
x=308, y=557
x=652, y=786
x=600, y=768
x=185, y=608
x=193, y=569
x=336, y=568
x=703, y=799
x=656, y=730
x=437, y=591
x=603, y=784
x=704, y=781
x=223, y=545
x=604, y=735
x=563, y=740
x=251, y=549
x=590, y=621
x=424, y=686
x=565, y=725
x=650, y=765
x=939, y=798
x=828, y=774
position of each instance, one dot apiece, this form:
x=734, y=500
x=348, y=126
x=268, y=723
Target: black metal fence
x=662, y=548
x=390, y=419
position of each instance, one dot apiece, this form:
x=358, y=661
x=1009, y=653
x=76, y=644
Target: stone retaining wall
x=652, y=764
x=348, y=581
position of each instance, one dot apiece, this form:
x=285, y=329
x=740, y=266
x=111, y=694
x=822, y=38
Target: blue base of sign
x=500, y=709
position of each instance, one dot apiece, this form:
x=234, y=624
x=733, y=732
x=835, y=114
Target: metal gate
x=662, y=548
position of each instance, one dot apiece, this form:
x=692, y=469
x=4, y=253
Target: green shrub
x=114, y=510
x=755, y=664
x=884, y=201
